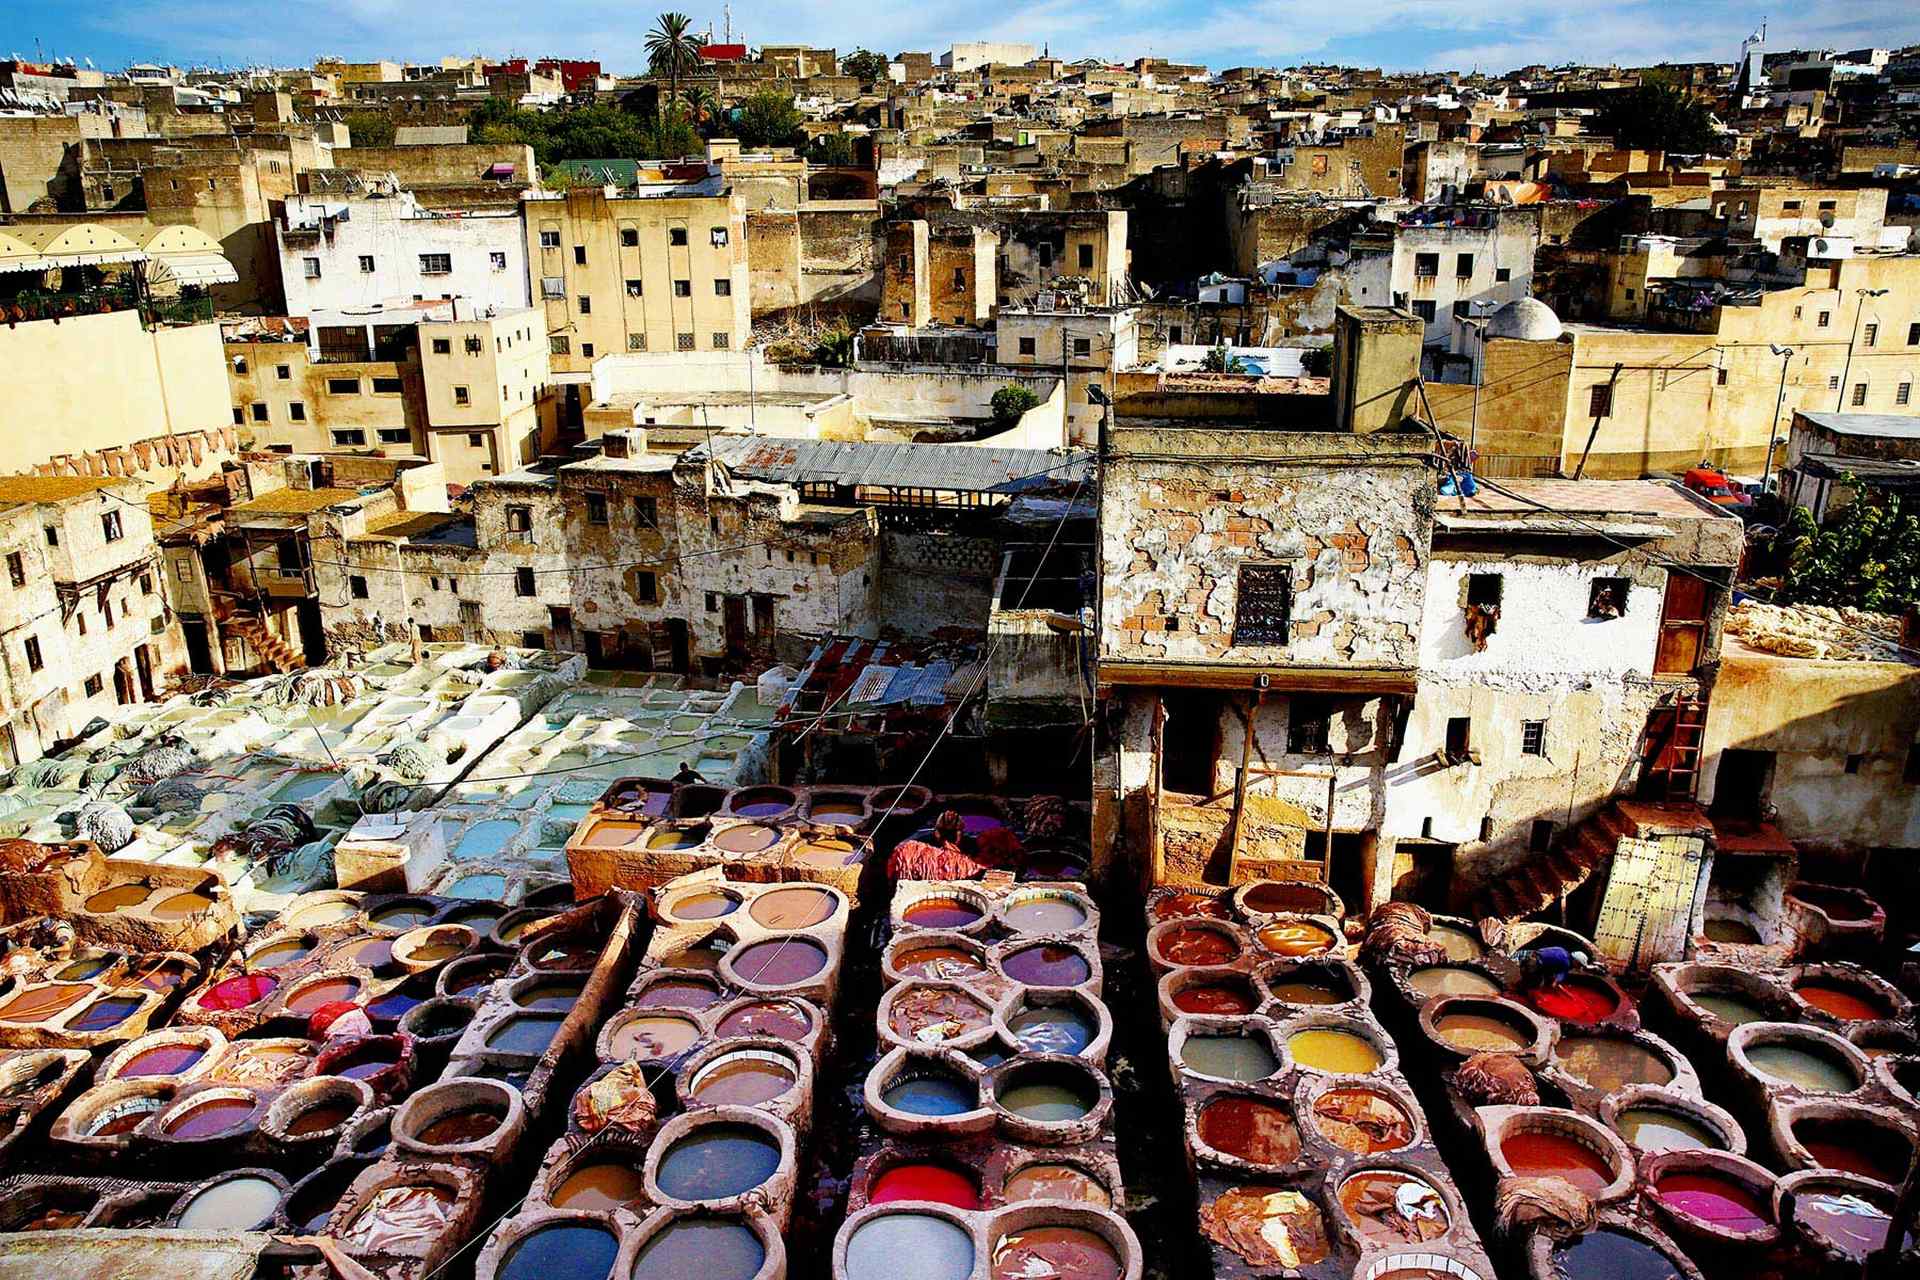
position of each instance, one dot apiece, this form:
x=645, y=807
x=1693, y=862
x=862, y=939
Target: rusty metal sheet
x=131, y=1255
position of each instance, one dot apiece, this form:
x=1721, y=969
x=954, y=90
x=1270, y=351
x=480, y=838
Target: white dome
x=1528, y=319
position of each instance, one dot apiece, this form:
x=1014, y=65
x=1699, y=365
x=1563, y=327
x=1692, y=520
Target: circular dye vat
x=1727, y=929
x=779, y=962
x=1802, y=1068
x=549, y=997
x=235, y=993
x=1362, y=1121
x=761, y=808
x=935, y=1013
x=394, y=1215
x=574, y=1250
x=1229, y=1057
x=331, y=911
x=393, y=1005
x=401, y=915
x=321, y=1118
x=748, y=838
x=124, y=1117
x=704, y=958
x=938, y=1183
x=1048, y=1096
x=368, y=1062
x=826, y=851
x=1728, y=1007
x=1714, y=1199
x=1844, y=1003
x=371, y=953
x=326, y=991
x=1054, y=1028
x=782, y=1019
x=163, y=1060
x=951, y=964
x=1336, y=1052
x=104, y=1013
x=1853, y=1224
x=119, y=897
x=1838, y=904
x=1388, y=1207
x=1854, y=1147
x=748, y=1079
x=909, y=1246
x=81, y=970
x=930, y=1094
x=675, y=993
x=276, y=954
x=1044, y=913
x=599, y=1186
x=159, y=975
x=1456, y=942
x=1295, y=938
x=467, y=1124
x=1534, y=1153
x=1215, y=997
x=1308, y=991
x=1252, y=1129
x=528, y=1033
x=942, y=913
x=1480, y=1032
x=1071, y=1253
x=1575, y=999
x=710, y=1248
x=265, y=1063
x=836, y=813
x=1609, y=1062
x=1181, y=906
x=1196, y=945
x=1047, y=965
x=1451, y=980
x=237, y=1204
x=214, y=1116
x=716, y=1161
x=181, y=905
x=654, y=1038
x=39, y=1004
x=666, y=840
x=568, y=954
x=710, y=905
x=800, y=907
x=1277, y=896
x=1613, y=1256
x=469, y=977
x=1057, y=1182
x=1656, y=1130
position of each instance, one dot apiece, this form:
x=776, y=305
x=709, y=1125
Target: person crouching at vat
x=947, y=852
x=1547, y=967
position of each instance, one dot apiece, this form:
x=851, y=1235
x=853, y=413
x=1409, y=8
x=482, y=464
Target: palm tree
x=672, y=50
x=700, y=103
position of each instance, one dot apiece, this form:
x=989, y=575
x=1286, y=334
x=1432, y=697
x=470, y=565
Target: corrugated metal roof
x=1893, y=425
x=955, y=468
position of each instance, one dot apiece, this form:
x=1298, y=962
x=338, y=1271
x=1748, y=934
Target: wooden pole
x=1240, y=791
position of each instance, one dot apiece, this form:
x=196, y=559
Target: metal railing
x=25, y=307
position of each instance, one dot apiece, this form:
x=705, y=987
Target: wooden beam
x=1240, y=791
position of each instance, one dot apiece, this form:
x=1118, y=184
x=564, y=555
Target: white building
x=355, y=254
x=1477, y=255
x=970, y=55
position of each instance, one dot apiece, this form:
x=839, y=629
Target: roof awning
x=1358, y=681
x=193, y=269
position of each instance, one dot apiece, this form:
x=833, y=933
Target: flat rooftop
x=291, y=502
x=1597, y=497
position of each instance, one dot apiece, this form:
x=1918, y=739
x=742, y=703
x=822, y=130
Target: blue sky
x=1490, y=34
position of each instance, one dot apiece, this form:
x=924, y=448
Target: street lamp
x=1779, y=404
x=1847, y=367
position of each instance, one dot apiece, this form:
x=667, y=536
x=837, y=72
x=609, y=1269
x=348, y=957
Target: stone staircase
x=1545, y=878
x=273, y=651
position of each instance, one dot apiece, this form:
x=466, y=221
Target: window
x=629, y=237
x=1459, y=737
x=903, y=264
x=1086, y=257
x=497, y=261
x=462, y=396
x=579, y=255
x=1501, y=275
x=1903, y=393
x=559, y=345
x=240, y=365
x=1913, y=334
x=713, y=604
x=1308, y=721
x=1859, y=394
x=239, y=415
x=1854, y=762
x=1026, y=346
x=723, y=288
x=549, y=239
x=1425, y=309
x=1263, y=604
x=283, y=372
x=110, y=526
x=388, y=386
x=1533, y=737
x=1789, y=206
x=343, y=386
x=1833, y=382
x=1629, y=295
x=106, y=614
x=94, y=685
x=395, y=435
x=366, y=264
x=259, y=410
x=718, y=237
x=1600, y=401
x=1462, y=309
x=683, y=288
x=1463, y=266
x=1869, y=334
x=1083, y=346
x=519, y=519
x=310, y=268
x=646, y=512
x=53, y=535
x=636, y=342
x=683, y=341
x=358, y=586
x=17, y=568
x=349, y=437
x=1426, y=266
x=596, y=508
x=676, y=236
x=443, y=346
x=523, y=584
x=1540, y=835
x=1175, y=335
x=1824, y=319
x=959, y=277
x=633, y=289
x=475, y=440
x=553, y=288
x=721, y=341
x=1607, y=598
x=80, y=621
x=646, y=586
x=1826, y=206
x=1911, y=773
x=586, y=351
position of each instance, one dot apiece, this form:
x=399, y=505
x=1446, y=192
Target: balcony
x=275, y=581
x=154, y=312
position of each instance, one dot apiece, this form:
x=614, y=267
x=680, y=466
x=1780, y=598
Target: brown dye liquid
x=1389, y=1207
x=1193, y=945
x=37, y=1004
x=1362, y=1121
x=1304, y=991
x=600, y=1187
x=798, y=908
x=319, y=1119
x=325, y=992
x=1261, y=1132
x=778, y=1018
x=1607, y=1063
x=1295, y=938
x=466, y=1125
x=950, y=963
x=743, y=1082
x=181, y=905
x=1214, y=998
x=1480, y=1033
x=1179, y=906
x=120, y=895
x=1060, y=1253
x=1057, y=1182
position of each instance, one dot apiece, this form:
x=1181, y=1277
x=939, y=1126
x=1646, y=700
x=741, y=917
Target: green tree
x=1011, y=402
x=1866, y=556
x=673, y=50
x=369, y=129
x=831, y=148
x=700, y=102
x=835, y=349
x=1317, y=362
x=865, y=65
x=1220, y=360
x=767, y=119
x=1658, y=117
x=584, y=133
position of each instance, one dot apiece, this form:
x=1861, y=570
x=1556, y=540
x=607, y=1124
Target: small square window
x=443, y=346
x=723, y=288
x=366, y=264
x=1903, y=393
x=585, y=305
x=646, y=587
x=646, y=512
x=1459, y=737
x=358, y=586
x=1854, y=762
x=310, y=268
x=1426, y=266
x=1309, y=719
x=1869, y=335
x=1859, y=394
x=596, y=508
x=1026, y=346
x=497, y=261
x=1083, y=346
x=1825, y=319
x=395, y=435
x=53, y=535
x=475, y=440
x=462, y=395
x=559, y=345
x=718, y=236
x=1463, y=266
x=676, y=236
x=636, y=342
x=579, y=255
x=586, y=351
x=1533, y=737
x=240, y=365
x=349, y=438
x=343, y=386
x=388, y=386
x=239, y=415
x=297, y=411
x=633, y=289
x=549, y=239
x=629, y=237
x=94, y=686
x=523, y=584
x=713, y=606
x=17, y=568
x=110, y=526
x=259, y=410
x=683, y=341
x=1426, y=309
x=283, y=372
x=1086, y=257
x=721, y=341
x=1607, y=598
x=1540, y=835
x=1502, y=275
x=519, y=519
x=683, y=288
x=1600, y=401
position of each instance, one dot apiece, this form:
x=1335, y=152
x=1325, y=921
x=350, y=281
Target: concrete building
x=343, y=254
x=939, y=276
x=1448, y=263
x=972, y=55
x=1086, y=347
x=1830, y=457
x=84, y=623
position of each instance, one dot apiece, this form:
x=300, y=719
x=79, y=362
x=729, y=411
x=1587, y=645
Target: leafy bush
x=1011, y=402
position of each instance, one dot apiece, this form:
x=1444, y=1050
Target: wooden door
x=1683, y=624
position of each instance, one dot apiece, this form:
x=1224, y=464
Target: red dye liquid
x=238, y=993
x=1869, y=1155
x=1177, y=906
x=925, y=1182
x=1212, y=999
x=1197, y=946
x=1552, y=1155
x=1575, y=1000
x=1839, y=1002
x=1712, y=1198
